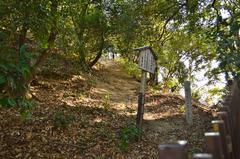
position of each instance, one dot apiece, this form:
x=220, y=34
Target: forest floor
x=85, y=116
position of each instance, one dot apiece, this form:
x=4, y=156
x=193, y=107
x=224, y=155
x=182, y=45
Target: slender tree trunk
x=99, y=54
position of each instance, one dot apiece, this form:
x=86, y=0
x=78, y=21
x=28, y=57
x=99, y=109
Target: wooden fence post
x=214, y=145
x=188, y=101
x=172, y=151
x=224, y=116
x=202, y=156
x=219, y=126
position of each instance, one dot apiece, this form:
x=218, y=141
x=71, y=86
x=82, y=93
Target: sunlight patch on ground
x=154, y=116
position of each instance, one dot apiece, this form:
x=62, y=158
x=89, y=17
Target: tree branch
x=168, y=20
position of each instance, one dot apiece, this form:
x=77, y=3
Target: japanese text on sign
x=147, y=61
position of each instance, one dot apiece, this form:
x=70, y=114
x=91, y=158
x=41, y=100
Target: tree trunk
x=99, y=54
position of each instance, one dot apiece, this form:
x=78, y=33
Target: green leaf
x=2, y=79
x=8, y=102
x=23, y=49
x=12, y=83
x=26, y=115
x=3, y=102
x=25, y=72
x=11, y=102
x=3, y=67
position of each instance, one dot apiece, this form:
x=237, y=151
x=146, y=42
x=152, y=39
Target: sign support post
x=141, y=101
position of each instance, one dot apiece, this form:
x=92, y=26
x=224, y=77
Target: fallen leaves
x=94, y=132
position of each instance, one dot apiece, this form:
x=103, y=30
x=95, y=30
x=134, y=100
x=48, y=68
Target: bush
x=127, y=135
x=24, y=105
x=14, y=77
x=131, y=68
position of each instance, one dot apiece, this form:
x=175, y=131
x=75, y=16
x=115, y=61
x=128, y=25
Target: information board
x=147, y=61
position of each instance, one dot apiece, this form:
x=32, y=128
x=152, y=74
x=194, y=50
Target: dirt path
x=164, y=119
x=117, y=87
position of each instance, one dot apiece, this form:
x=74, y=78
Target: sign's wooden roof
x=146, y=48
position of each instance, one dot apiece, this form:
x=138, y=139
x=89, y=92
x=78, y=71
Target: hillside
x=85, y=116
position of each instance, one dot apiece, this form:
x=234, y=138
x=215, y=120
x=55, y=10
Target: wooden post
x=141, y=101
x=219, y=126
x=172, y=151
x=188, y=101
x=224, y=116
x=202, y=156
x=214, y=145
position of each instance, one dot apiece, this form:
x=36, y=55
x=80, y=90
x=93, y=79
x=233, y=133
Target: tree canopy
x=196, y=31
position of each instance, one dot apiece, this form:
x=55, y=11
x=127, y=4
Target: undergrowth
x=130, y=67
x=15, y=76
x=128, y=135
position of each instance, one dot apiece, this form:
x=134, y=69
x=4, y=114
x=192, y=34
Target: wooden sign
x=147, y=61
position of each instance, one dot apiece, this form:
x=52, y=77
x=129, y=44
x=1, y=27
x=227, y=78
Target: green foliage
x=196, y=94
x=130, y=67
x=172, y=83
x=155, y=88
x=8, y=102
x=62, y=120
x=215, y=93
x=14, y=76
x=179, y=31
x=25, y=106
x=128, y=134
x=106, y=101
x=182, y=109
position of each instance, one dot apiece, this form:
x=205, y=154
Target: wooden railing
x=224, y=140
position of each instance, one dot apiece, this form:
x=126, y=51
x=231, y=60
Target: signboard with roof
x=147, y=63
